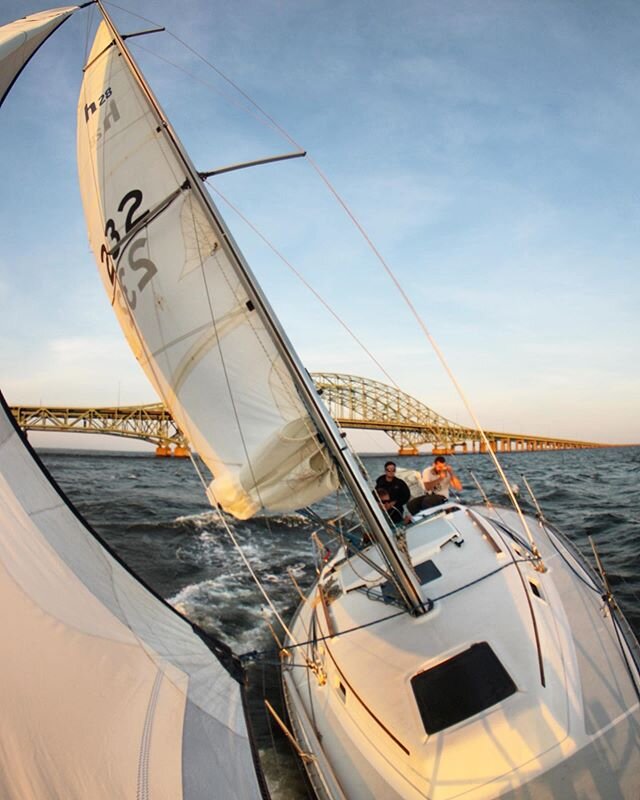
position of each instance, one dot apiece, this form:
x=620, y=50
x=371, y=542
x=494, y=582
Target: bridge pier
x=165, y=451
x=408, y=450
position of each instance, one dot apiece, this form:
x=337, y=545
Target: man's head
x=384, y=498
x=390, y=469
x=439, y=464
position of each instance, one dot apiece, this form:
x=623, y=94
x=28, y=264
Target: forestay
x=175, y=285
x=19, y=40
x=106, y=691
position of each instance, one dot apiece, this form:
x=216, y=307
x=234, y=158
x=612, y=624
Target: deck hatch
x=426, y=572
x=460, y=687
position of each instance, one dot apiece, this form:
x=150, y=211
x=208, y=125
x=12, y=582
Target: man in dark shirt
x=398, y=490
x=385, y=503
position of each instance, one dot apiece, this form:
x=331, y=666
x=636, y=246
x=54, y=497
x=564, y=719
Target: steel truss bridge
x=353, y=402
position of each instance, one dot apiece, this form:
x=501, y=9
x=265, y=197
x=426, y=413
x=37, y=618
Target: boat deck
x=493, y=675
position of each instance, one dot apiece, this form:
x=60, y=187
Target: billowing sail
x=19, y=40
x=106, y=692
x=176, y=288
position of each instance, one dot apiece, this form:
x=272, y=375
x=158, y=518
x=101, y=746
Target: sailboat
x=476, y=656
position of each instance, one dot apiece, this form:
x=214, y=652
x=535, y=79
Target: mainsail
x=106, y=691
x=19, y=40
x=175, y=283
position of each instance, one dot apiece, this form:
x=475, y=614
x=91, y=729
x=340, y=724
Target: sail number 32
x=110, y=252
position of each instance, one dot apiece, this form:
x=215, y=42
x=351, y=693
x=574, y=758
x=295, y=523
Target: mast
x=327, y=428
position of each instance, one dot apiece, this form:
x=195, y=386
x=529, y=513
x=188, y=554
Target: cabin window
x=460, y=687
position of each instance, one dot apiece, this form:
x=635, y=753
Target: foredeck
x=483, y=588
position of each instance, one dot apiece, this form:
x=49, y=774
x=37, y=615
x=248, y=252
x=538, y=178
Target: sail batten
x=183, y=302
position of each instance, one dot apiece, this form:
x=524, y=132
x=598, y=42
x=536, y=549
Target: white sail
x=175, y=288
x=106, y=692
x=20, y=39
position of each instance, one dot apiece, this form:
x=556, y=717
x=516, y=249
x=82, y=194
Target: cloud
x=74, y=371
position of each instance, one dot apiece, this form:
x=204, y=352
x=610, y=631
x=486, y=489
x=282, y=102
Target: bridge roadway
x=354, y=403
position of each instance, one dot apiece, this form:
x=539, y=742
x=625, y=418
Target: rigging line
x=325, y=455
x=434, y=345
x=481, y=578
x=335, y=635
x=256, y=653
x=132, y=13
x=152, y=214
x=393, y=278
x=513, y=535
x=175, y=147
x=359, y=554
x=241, y=553
x=534, y=621
x=261, y=116
x=304, y=281
x=534, y=499
x=295, y=399
x=547, y=527
x=240, y=91
x=87, y=37
x=496, y=509
x=485, y=498
x=117, y=282
x=397, y=284
x=273, y=361
x=318, y=664
x=391, y=275
x=229, y=532
x=223, y=360
x=571, y=549
x=231, y=100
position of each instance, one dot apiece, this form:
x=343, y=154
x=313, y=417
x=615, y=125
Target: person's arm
x=455, y=480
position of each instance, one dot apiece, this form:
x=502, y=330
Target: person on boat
x=397, y=515
x=398, y=490
x=437, y=480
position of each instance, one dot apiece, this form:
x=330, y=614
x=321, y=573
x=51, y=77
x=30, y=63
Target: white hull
x=536, y=695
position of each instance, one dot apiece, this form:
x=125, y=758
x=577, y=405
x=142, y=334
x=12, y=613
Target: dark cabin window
x=461, y=687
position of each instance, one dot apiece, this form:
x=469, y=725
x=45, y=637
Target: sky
x=490, y=151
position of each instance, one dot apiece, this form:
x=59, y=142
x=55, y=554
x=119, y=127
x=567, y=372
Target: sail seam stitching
x=142, y=792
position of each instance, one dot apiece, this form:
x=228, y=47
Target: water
x=153, y=513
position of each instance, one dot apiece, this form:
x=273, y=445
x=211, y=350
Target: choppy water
x=153, y=512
